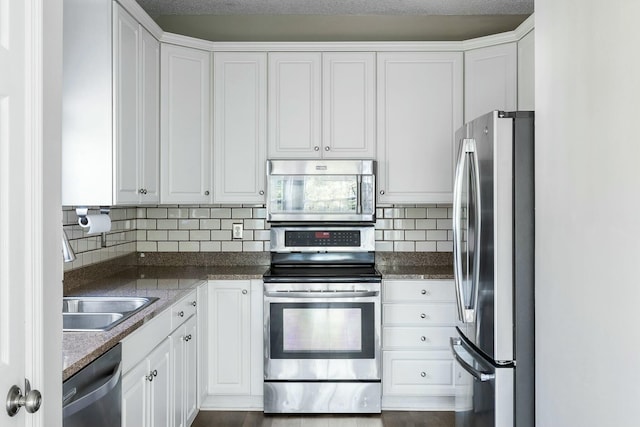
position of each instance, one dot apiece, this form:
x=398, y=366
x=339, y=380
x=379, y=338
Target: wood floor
x=386, y=419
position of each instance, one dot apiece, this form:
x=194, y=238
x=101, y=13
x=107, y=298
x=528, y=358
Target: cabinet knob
x=193, y=303
x=141, y=191
x=261, y=192
x=316, y=148
x=382, y=192
x=149, y=377
x=155, y=372
x=181, y=314
x=425, y=292
x=423, y=374
x=327, y=148
x=423, y=338
x=244, y=292
x=206, y=193
x=189, y=337
x=423, y=316
x=145, y=191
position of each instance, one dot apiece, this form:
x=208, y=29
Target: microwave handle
x=359, y=195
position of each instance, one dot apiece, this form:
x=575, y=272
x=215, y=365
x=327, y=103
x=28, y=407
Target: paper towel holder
x=82, y=213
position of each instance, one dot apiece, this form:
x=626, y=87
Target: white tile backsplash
x=195, y=228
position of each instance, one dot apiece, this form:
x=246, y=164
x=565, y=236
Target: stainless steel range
x=322, y=321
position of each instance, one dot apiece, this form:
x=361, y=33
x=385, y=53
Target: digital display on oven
x=343, y=238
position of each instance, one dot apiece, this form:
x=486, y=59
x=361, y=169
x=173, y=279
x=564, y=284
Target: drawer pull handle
x=423, y=374
x=181, y=314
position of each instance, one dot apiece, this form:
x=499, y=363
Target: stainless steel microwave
x=321, y=190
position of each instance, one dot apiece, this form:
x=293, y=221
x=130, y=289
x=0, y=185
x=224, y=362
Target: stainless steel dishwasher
x=93, y=396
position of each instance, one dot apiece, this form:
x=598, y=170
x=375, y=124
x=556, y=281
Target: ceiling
x=337, y=20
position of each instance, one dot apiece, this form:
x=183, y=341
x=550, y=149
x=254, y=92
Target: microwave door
x=466, y=229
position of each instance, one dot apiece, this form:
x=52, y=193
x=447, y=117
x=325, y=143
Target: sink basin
x=104, y=304
x=90, y=321
x=100, y=313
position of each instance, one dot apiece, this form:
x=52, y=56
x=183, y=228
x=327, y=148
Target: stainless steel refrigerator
x=493, y=229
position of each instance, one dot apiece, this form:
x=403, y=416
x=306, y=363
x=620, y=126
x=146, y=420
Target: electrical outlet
x=237, y=231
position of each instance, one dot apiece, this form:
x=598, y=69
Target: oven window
x=322, y=330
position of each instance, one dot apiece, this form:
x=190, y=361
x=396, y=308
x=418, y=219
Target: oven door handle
x=339, y=294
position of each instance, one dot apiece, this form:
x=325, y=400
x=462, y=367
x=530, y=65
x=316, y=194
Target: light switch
x=237, y=231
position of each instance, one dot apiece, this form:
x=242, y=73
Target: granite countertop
x=168, y=284
x=416, y=271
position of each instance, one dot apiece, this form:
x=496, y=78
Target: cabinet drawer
x=418, y=290
x=417, y=373
x=419, y=314
x=183, y=309
x=419, y=338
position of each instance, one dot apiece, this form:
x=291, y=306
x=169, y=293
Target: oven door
x=322, y=335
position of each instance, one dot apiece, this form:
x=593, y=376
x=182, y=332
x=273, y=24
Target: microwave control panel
x=319, y=238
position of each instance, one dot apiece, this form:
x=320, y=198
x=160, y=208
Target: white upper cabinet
x=419, y=110
x=490, y=80
x=295, y=104
x=136, y=88
x=185, y=112
x=526, y=72
x=240, y=126
x=348, y=105
x=110, y=107
x=321, y=105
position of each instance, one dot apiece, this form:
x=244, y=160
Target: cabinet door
x=150, y=114
x=126, y=66
x=348, y=99
x=419, y=109
x=190, y=371
x=185, y=145
x=240, y=126
x=490, y=80
x=294, y=104
x=160, y=397
x=178, y=344
x=229, y=331
x=135, y=396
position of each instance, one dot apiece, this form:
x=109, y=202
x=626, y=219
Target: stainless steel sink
x=100, y=313
x=90, y=321
x=104, y=304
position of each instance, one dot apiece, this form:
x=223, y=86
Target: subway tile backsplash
x=208, y=228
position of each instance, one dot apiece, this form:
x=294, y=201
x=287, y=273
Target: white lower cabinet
x=159, y=362
x=418, y=318
x=234, y=348
x=184, y=351
x=146, y=390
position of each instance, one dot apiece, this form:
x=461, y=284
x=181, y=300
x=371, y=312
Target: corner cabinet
x=110, y=130
x=490, y=80
x=240, y=126
x=418, y=318
x=419, y=110
x=235, y=343
x=185, y=113
x=322, y=105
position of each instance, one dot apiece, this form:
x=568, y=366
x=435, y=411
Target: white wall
x=587, y=215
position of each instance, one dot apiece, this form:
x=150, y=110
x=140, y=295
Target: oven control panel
x=322, y=238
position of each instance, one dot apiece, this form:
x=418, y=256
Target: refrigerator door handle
x=457, y=232
x=477, y=374
x=475, y=170
x=465, y=314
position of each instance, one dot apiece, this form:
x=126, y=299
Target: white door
x=29, y=187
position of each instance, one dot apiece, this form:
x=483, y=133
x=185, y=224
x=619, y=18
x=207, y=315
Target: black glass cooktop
x=298, y=273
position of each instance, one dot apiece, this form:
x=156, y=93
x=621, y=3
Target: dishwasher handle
x=102, y=389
